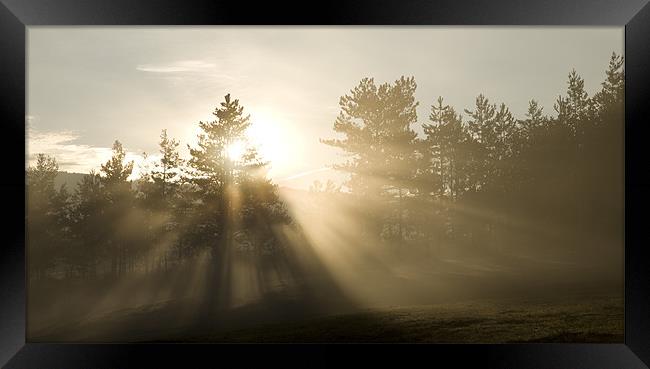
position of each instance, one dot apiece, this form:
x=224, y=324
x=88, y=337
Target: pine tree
x=445, y=167
x=91, y=229
x=220, y=177
x=535, y=120
x=481, y=126
x=210, y=161
x=613, y=88
x=40, y=179
x=533, y=143
x=446, y=139
x=495, y=132
x=603, y=154
x=42, y=222
x=115, y=173
x=376, y=123
x=576, y=110
x=167, y=169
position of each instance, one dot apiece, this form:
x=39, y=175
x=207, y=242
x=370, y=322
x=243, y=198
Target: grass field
x=400, y=305
x=597, y=319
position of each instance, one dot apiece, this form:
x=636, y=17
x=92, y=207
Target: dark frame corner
x=17, y=15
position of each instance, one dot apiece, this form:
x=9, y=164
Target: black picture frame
x=16, y=15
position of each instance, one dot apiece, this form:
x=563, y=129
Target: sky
x=88, y=86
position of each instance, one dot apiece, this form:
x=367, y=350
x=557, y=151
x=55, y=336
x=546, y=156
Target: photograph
x=325, y=184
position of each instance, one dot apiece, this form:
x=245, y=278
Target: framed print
x=271, y=183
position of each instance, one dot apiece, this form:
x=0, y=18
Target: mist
x=461, y=220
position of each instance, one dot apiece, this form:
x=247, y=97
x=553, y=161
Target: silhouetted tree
x=114, y=177
x=43, y=216
x=91, y=227
x=376, y=123
x=449, y=144
x=168, y=168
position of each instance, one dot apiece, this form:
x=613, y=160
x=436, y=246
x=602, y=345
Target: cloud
x=198, y=75
x=177, y=67
x=72, y=156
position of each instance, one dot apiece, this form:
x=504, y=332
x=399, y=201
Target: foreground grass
x=593, y=319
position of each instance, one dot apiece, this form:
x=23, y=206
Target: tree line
x=484, y=181
x=110, y=226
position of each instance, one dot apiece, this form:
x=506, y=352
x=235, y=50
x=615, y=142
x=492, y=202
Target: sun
x=272, y=140
x=235, y=151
